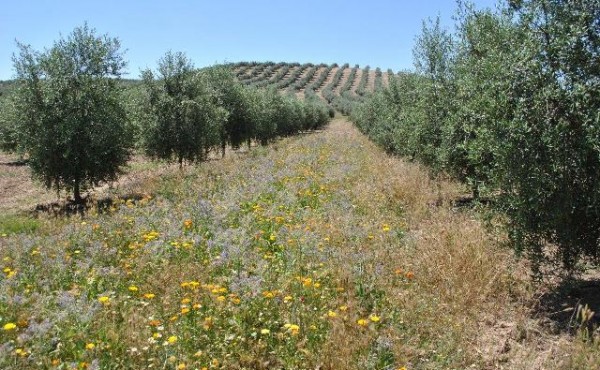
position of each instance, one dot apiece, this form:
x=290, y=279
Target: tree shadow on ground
x=69, y=208
x=563, y=307
x=470, y=202
x=17, y=163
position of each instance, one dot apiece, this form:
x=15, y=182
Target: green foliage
x=186, y=121
x=433, y=60
x=230, y=95
x=302, y=82
x=9, y=131
x=390, y=117
x=196, y=111
x=378, y=79
x=480, y=102
x=275, y=115
x=70, y=117
x=550, y=161
x=361, y=89
x=351, y=77
x=519, y=124
x=293, y=76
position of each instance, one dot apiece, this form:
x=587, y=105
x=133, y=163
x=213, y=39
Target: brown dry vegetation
x=448, y=293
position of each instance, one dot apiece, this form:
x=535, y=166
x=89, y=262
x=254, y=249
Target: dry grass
x=379, y=239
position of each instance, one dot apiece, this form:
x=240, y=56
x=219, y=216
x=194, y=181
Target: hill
x=340, y=86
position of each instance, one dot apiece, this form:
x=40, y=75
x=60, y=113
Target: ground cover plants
x=250, y=230
x=318, y=251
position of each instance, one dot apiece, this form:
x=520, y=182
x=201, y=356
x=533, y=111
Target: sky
x=378, y=33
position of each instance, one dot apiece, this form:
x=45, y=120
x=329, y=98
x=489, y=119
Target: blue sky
x=379, y=33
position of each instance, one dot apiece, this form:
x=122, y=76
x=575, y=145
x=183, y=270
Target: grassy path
x=316, y=252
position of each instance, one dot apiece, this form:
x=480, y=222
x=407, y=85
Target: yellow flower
x=265, y=331
x=21, y=352
x=133, y=288
x=9, y=272
x=374, y=318
x=386, y=228
x=186, y=301
x=292, y=328
x=221, y=298
x=268, y=294
x=307, y=282
x=104, y=300
x=90, y=346
x=287, y=298
x=172, y=339
x=149, y=295
x=185, y=310
x=332, y=314
x=181, y=366
x=152, y=235
x=344, y=308
x=362, y=322
x=187, y=224
x=10, y=326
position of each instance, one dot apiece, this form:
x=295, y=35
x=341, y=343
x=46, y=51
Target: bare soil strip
x=343, y=80
x=357, y=79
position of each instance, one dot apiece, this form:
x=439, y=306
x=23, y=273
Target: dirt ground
x=20, y=192
x=17, y=188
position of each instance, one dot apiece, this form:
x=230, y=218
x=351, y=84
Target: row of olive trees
x=509, y=104
x=72, y=117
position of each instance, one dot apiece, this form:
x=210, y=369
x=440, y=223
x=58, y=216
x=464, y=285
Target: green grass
x=318, y=252
x=17, y=224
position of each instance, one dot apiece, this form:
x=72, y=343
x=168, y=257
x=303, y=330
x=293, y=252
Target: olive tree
x=71, y=120
x=229, y=94
x=550, y=160
x=433, y=57
x=185, y=120
x=482, y=73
